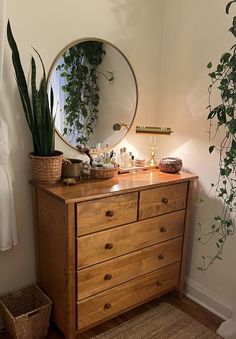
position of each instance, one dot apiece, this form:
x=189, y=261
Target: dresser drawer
x=107, y=304
x=101, y=246
x=104, y=213
x=161, y=200
x=100, y=277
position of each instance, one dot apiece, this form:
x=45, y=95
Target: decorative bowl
x=170, y=165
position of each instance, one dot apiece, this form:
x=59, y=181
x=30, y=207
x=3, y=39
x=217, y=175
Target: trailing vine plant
x=81, y=74
x=223, y=124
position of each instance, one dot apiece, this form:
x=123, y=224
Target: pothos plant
x=223, y=124
x=81, y=73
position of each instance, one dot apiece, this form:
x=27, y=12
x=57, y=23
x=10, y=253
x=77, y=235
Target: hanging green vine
x=80, y=70
x=223, y=119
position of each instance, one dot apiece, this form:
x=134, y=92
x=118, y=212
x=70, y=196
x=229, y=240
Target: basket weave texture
x=103, y=173
x=46, y=170
x=26, y=313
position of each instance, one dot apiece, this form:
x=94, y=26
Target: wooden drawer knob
x=163, y=229
x=159, y=283
x=165, y=201
x=108, y=246
x=109, y=213
x=107, y=306
x=161, y=256
x=108, y=277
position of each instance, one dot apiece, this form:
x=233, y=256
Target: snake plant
x=35, y=101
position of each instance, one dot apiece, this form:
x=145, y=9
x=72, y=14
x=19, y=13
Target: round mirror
x=95, y=94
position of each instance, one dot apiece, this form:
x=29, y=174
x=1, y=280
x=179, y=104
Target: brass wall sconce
x=117, y=126
x=153, y=130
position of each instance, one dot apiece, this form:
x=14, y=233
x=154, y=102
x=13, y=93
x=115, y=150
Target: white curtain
x=8, y=231
x=2, y=34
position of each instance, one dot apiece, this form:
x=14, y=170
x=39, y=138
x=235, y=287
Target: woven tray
x=104, y=173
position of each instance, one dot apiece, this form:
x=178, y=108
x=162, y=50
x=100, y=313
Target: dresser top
x=123, y=183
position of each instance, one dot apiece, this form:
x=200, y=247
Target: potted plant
x=222, y=119
x=38, y=109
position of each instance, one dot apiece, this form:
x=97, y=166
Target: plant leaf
x=20, y=78
x=211, y=149
x=228, y=6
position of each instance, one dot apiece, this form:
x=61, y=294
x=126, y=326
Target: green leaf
x=209, y=65
x=228, y=6
x=232, y=126
x=212, y=113
x=221, y=115
x=20, y=78
x=212, y=75
x=220, y=68
x=211, y=149
x=230, y=111
x=218, y=257
x=225, y=57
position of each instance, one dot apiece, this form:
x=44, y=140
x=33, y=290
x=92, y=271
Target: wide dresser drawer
x=161, y=200
x=107, y=304
x=114, y=272
x=100, y=214
x=101, y=246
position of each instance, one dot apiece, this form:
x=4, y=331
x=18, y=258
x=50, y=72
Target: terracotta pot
x=46, y=170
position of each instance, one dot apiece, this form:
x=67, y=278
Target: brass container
x=72, y=169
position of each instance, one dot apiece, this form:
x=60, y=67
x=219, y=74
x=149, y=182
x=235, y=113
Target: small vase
x=46, y=170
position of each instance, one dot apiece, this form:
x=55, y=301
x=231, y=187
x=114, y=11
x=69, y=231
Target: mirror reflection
x=95, y=94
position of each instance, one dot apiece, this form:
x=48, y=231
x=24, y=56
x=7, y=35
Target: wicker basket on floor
x=26, y=313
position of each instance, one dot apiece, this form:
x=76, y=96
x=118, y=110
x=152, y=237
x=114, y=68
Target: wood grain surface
x=94, y=248
x=99, y=214
x=106, y=304
x=92, y=189
x=161, y=200
x=100, y=277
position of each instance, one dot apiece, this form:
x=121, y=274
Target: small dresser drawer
x=107, y=304
x=100, y=214
x=161, y=200
x=98, y=278
x=101, y=246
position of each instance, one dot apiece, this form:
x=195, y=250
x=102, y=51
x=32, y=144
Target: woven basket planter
x=26, y=313
x=46, y=170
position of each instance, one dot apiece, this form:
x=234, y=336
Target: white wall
x=169, y=59
x=134, y=26
x=194, y=33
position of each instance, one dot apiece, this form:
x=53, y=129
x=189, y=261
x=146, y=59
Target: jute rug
x=162, y=322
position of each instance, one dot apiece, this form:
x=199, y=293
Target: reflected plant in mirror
x=80, y=70
x=95, y=89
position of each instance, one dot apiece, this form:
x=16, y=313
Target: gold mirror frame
x=60, y=54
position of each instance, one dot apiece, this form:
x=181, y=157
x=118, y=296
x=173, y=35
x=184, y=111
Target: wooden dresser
x=106, y=246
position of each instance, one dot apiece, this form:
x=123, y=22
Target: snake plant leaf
x=20, y=78
x=51, y=100
x=34, y=104
x=38, y=112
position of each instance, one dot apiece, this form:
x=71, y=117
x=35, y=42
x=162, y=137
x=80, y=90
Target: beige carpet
x=162, y=322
